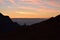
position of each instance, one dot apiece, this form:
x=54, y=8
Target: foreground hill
x=46, y=30
x=6, y=24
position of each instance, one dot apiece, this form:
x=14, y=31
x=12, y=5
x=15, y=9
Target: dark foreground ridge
x=46, y=30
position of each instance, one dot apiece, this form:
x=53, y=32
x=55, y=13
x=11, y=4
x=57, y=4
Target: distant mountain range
x=28, y=21
x=45, y=30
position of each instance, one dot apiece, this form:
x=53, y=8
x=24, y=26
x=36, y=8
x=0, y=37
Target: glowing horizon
x=30, y=8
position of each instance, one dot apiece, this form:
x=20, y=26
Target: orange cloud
x=27, y=8
x=48, y=12
x=41, y=13
x=23, y=15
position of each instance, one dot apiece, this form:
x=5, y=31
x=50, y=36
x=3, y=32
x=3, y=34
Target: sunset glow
x=30, y=8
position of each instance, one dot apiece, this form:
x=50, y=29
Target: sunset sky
x=30, y=8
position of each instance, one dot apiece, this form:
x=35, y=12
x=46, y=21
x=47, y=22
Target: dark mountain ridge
x=46, y=30
x=52, y=20
x=6, y=23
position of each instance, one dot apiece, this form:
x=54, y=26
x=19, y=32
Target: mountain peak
x=1, y=15
x=58, y=16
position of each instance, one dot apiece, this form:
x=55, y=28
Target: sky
x=30, y=8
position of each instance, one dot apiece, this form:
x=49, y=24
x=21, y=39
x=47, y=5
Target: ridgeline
x=46, y=30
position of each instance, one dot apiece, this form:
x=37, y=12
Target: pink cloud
x=13, y=2
x=1, y=1
x=33, y=2
x=45, y=9
x=53, y=3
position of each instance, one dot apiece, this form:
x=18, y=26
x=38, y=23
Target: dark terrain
x=46, y=30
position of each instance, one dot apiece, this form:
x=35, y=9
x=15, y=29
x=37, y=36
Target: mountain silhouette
x=46, y=30
x=6, y=24
x=51, y=21
x=52, y=26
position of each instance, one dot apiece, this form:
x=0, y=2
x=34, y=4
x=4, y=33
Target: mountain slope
x=46, y=30
x=6, y=24
x=53, y=21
